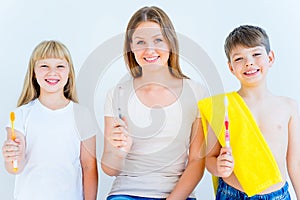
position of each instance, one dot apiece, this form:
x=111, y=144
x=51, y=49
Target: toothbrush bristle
x=121, y=91
x=225, y=101
x=12, y=116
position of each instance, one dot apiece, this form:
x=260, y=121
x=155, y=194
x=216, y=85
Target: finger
x=124, y=119
x=117, y=122
x=118, y=137
x=225, y=174
x=225, y=164
x=10, y=143
x=119, y=144
x=120, y=122
x=10, y=159
x=9, y=148
x=120, y=130
x=226, y=150
x=117, y=130
x=12, y=154
x=12, y=148
x=223, y=171
x=18, y=140
x=227, y=157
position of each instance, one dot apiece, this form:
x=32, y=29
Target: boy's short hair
x=247, y=36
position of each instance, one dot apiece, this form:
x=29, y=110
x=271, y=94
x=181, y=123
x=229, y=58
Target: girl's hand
x=14, y=149
x=225, y=162
x=119, y=137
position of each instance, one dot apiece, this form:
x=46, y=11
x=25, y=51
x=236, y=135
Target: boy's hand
x=225, y=162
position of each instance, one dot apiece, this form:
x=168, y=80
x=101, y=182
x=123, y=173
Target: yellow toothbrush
x=13, y=137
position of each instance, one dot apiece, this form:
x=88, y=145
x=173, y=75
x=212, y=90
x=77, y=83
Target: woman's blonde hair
x=44, y=50
x=156, y=15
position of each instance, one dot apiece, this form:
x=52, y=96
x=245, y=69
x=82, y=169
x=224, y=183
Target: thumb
x=18, y=140
x=123, y=118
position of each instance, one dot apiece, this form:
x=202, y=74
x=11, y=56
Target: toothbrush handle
x=15, y=165
x=227, y=140
x=13, y=137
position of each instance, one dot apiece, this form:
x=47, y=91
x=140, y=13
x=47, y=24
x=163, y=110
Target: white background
x=84, y=25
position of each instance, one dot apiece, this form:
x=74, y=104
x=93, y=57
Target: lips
x=251, y=72
x=52, y=81
x=151, y=59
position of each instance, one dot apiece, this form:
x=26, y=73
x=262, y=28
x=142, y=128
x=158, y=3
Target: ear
x=271, y=57
x=230, y=67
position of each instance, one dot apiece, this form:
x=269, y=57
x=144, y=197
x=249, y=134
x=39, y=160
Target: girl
x=155, y=149
x=54, y=162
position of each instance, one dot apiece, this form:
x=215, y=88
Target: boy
x=264, y=128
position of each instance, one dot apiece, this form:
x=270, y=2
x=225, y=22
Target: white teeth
x=251, y=72
x=52, y=81
x=151, y=59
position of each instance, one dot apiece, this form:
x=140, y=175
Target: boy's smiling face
x=250, y=64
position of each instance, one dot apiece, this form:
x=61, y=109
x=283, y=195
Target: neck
x=157, y=77
x=53, y=101
x=257, y=92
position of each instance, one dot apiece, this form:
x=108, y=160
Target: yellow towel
x=254, y=164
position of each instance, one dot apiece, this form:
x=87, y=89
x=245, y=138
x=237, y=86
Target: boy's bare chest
x=273, y=123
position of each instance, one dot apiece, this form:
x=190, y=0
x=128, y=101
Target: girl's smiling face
x=51, y=74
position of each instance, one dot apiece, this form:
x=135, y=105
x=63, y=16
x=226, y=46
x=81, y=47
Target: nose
x=249, y=62
x=52, y=70
x=150, y=46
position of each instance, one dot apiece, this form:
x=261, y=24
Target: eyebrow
x=252, y=49
x=57, y=64
x=139, y=37
x=236, y=54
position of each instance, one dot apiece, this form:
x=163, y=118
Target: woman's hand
x=119, y=136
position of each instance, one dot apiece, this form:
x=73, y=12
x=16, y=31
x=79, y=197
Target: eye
x=238, y=59
x=60, y=66
x=140, y=42
x=157, y=40
x=256, y=54
x=44, y=66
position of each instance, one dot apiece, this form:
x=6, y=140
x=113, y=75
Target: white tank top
x=161, y=138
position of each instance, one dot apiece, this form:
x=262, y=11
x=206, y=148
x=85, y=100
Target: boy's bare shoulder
x=289, y=103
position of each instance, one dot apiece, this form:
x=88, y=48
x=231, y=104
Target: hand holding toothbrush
x=13, y=149
x=13, y=137
x=226, y=123
x=225, y=161
x=120, y=137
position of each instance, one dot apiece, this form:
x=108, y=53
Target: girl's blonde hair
x=156, y=15
x=44, y=50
